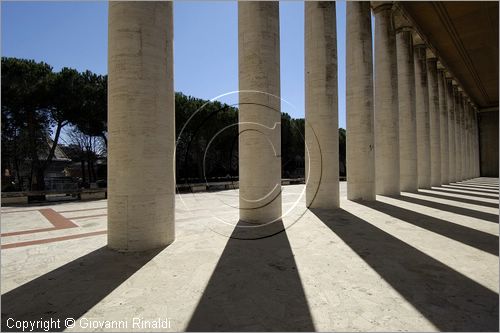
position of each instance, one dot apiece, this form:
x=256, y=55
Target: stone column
x=476, y=144
x=386, y=102
x=422, y=112
x=467, y=137
x=469, y=140
x=435, y=118
x=259, y=112
x=321, y=126
x=451, y=130
x=473, y=141
x=463, y=135
x=141, y=126
x=458, y=132
x=359, y=103
x=443, y=123
x=407, y=106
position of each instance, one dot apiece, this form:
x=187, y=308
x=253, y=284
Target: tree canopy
x=38, y=103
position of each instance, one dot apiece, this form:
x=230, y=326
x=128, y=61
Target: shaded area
x=479, y=181
x=450, y=300
x=475, y=238
x=71, y=290
x=254, y=287
x=483, y=189
x=487, y=188
x=452, y=209
x=478, y=194
x=460, y=199
x=480, y=184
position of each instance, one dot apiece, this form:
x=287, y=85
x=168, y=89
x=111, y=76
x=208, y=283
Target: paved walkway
x=423, y=261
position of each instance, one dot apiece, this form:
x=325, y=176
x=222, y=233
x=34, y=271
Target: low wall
x=25, y=197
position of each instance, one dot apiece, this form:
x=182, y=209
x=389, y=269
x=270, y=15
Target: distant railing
x=24, y=197
x=227, y=185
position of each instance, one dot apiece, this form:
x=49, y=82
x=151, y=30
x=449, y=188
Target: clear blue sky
x=74, y=34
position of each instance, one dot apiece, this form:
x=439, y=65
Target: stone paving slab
x=425, y=261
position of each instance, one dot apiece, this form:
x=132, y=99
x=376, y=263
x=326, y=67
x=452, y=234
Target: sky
x=74, y=34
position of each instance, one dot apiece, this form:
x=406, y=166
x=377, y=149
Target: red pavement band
x=58, y=221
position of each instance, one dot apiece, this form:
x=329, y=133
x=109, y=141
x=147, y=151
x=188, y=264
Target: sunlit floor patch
x=415, y=262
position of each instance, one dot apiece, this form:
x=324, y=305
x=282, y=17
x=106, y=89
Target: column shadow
x=447, y=298
x=71, y=290
x=254, y=287
x=476, y=194
x=480, y=182
x=452, y=209
x=460, y=199
x=486, y=189
x=477, y=184
x=472, y=237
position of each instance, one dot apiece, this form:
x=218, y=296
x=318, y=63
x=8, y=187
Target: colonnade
x=438, y=136
x=409, y=123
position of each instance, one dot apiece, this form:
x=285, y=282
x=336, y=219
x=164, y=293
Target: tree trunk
x=94, y=171
x=82, y=163
x=40, y=179
x=33, y=149
x=18, y=174
x=52, y=151
x=105, y=140
x=89, y=167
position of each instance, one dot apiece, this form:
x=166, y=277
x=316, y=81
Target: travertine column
x=435, y=118
x=451, y=130
x=359, y=103
x=407, y=113
x=321, y=128
x=468, y=139
x=141, y=126
x=463, y=134
x=259, y=112
x=465, y=138
x=476, y=144
x=443, y=123
x=422, y=112
x=458, y=132
x=386, y=102
x=473, y=142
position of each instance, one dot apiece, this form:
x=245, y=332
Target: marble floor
x=424, y=261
